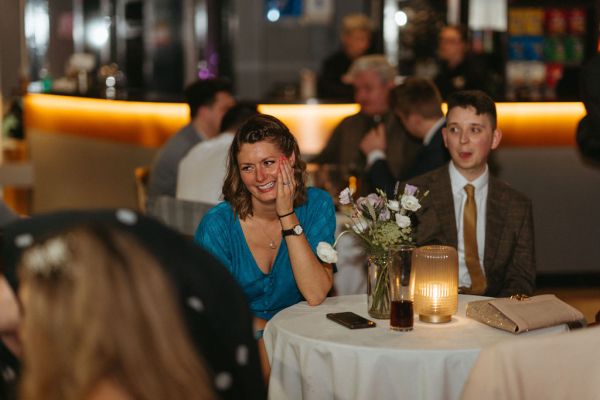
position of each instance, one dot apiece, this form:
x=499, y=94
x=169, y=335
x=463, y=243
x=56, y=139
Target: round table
x=313, y=357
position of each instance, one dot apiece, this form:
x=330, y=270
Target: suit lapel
x=496, y=211
x=443, y=204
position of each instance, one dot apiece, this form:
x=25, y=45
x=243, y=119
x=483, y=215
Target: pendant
x=272, y=245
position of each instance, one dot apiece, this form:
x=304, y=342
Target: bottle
x=308, y=84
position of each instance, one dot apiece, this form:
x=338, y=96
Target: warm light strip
x=151, y=124
x=539, y=124
x=310, y=123
x=144, y=123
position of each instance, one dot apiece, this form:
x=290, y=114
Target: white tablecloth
x=314, y=358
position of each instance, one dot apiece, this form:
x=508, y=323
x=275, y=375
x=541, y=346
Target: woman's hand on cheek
x=286, y=187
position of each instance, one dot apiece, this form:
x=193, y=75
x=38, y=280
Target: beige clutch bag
x=521, y=314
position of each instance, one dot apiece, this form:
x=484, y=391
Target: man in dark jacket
x=356, y=41
x=417, y=103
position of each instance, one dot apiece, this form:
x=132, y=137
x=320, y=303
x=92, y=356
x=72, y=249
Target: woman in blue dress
x=267, y=230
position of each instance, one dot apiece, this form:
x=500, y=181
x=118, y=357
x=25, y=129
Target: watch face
x=298, y=230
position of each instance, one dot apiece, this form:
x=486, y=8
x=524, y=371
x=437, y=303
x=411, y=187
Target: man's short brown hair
x=417, y=96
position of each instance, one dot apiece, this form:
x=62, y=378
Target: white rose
x=403, y=221
x=394, y=205
x=410, y=203
x=327, y=253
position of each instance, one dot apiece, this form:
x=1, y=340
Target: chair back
x=556, y=366
x=141, y=175
x=181, y=215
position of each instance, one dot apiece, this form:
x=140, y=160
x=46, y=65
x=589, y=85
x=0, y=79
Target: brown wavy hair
x=261, y=128
x=99, y=309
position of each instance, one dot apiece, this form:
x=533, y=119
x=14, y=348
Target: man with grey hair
x=372, y=77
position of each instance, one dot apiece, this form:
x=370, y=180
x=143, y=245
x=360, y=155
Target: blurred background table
x=314, y=358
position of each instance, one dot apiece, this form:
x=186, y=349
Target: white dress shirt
x=431, y=132
x=202, y=170
x=458, y=183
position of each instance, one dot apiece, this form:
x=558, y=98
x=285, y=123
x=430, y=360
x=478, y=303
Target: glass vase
x=378, y=296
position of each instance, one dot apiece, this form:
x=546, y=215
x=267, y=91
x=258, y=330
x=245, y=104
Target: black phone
x=351, y=320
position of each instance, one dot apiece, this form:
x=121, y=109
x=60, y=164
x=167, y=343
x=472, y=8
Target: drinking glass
x=401, y=296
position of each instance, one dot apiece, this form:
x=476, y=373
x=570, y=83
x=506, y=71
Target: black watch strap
x=295, y=231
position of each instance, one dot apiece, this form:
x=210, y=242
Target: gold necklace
x=272, y=244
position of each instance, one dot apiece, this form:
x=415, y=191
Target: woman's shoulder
x=222, y=213
x=318, y=201
x=316, y=194
x=222, y=209
x=218, y=222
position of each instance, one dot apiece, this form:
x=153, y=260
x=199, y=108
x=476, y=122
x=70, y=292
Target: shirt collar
x=458, y=181
x=427, y=139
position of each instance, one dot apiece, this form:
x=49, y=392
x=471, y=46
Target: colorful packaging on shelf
x=556, y=21
x=525, y=80
x=574, y=49
x=576, y=20
x=554, y=73
x=526, y=21
x=526, y=48
x=554, y=49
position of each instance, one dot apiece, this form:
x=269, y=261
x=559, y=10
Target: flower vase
x=378, y=297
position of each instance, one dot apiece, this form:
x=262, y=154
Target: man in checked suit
x=488, y=222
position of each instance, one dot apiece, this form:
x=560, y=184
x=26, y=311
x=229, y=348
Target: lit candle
x=436, y=277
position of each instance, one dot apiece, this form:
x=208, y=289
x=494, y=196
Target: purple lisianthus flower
x=362, y=201
x=373, y=199
x=384, y=214
x=346, y=196
x=410, y=190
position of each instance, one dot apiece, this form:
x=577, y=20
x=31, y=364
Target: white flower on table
x=410, y=202
x=346, y=196
x=381, y=222
x=403, y=221
x=327, y=253
x=394, y=205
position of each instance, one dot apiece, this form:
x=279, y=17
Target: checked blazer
x=509, y=256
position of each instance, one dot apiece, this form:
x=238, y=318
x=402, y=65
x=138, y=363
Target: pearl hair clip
x=48, y=258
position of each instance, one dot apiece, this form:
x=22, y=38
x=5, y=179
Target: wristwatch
x=296, y=231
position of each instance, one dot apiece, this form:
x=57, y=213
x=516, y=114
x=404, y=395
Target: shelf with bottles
x=542, y=42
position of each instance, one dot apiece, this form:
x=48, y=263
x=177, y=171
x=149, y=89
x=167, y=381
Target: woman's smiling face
x=259, y=164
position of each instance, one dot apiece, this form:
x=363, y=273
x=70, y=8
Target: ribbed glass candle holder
x=435, y=283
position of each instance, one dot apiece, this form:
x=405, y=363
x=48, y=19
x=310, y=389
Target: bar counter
x=84, y=152
x=149, y=124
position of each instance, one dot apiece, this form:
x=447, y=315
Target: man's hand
x=374, y=140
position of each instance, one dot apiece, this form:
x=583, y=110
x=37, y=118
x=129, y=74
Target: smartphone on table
x=351, y=320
